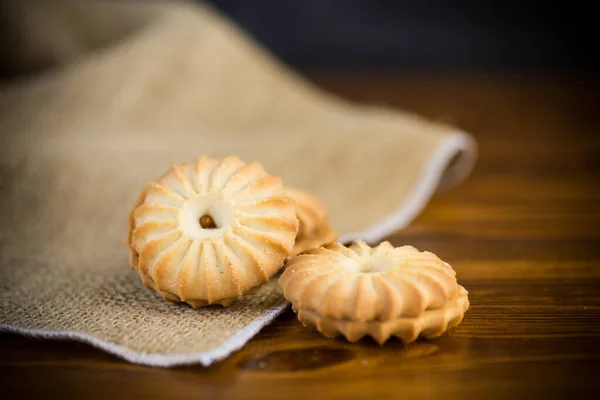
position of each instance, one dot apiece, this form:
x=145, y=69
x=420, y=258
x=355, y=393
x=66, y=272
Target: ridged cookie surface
x=322, y=235
x=430, y=324
x=381, y=291
x=311, y=212
x=208, y=232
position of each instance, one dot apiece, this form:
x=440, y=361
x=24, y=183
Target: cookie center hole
x=367, y=269
x=373, y=266
x=207, y=222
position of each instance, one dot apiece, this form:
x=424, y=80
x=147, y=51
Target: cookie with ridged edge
x=320, y=236
x=381, y=292
x=311, y=212
x=208, y=232
x=430, y=324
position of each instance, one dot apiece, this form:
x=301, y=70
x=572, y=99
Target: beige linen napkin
x=126, y=89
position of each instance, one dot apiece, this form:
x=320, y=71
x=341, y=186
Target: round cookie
x=311, y=212
x=380, y=292
x=208, y=232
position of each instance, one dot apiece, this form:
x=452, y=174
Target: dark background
x=400, y=34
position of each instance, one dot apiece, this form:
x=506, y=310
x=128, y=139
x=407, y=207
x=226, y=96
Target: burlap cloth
x=126, y=90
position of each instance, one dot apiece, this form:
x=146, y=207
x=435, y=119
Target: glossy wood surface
x=522, y=233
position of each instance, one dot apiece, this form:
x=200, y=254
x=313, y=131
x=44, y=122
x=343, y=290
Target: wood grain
x=523, y=235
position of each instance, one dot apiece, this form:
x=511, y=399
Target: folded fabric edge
x=458, y=143
x=205, y=358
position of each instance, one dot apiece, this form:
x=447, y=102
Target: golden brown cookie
x=322, y=235
x=381, y=292
x=208, y=232
x=311, y=212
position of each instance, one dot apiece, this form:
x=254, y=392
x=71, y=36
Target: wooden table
x=522, y=234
